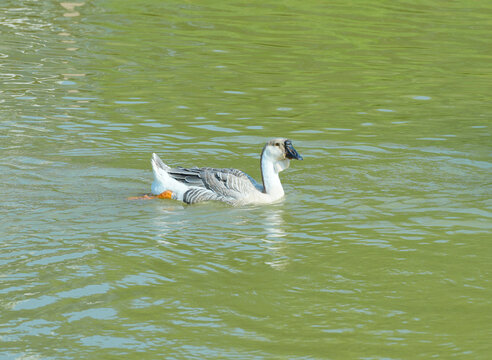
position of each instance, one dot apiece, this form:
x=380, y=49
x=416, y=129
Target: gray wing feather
x=196, y=195
x=232, y=183
x=207, y=184
x=191, y=176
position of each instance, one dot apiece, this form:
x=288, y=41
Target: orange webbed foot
x=143, y=197
x=168, y=194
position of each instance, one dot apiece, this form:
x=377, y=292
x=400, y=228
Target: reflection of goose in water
x=275, y=238
x=227, y=185
x=274, y=224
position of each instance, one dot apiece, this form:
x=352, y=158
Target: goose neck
x=271, y=181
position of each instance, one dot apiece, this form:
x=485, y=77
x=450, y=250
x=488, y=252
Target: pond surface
x=381, y=248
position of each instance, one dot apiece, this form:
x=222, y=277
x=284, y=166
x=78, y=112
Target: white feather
x=162, y=180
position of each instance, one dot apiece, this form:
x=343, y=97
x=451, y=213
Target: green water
x=381, y=248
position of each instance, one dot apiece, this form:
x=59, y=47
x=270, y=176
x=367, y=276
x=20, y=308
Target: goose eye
x=277, y=144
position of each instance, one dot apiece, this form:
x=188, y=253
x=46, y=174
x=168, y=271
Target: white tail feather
x=163, y=181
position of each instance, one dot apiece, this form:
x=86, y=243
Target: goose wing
x=207, y=184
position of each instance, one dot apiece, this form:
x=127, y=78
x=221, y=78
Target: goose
x=231, y=186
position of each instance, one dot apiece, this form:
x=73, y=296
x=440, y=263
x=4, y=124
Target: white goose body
x=231, y=186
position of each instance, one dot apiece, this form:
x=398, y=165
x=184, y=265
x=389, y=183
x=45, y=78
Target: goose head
x=279, y=152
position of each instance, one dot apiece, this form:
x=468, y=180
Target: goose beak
x=290, y=152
